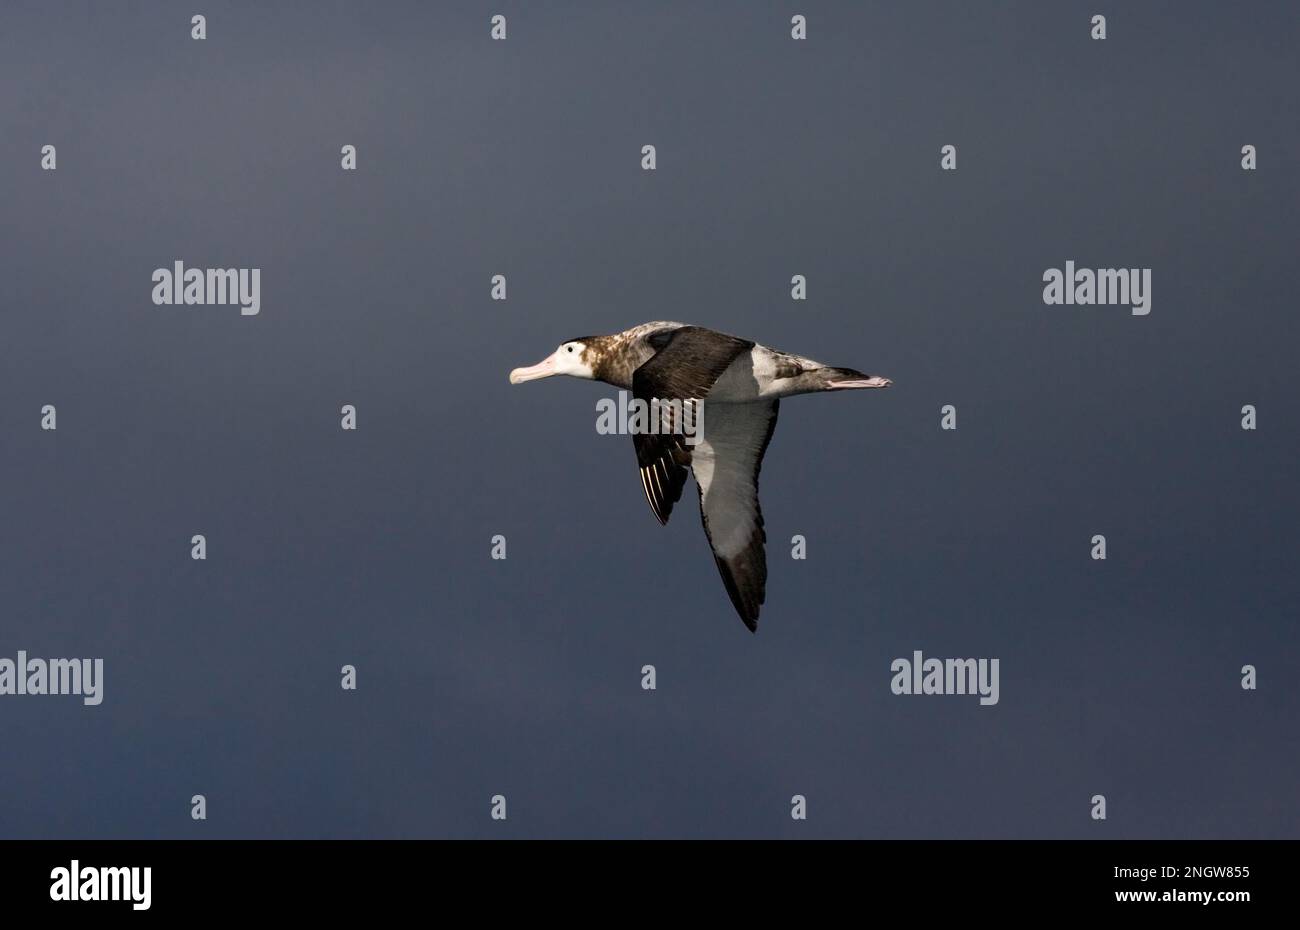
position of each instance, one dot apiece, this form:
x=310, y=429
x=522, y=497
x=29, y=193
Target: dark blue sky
x=522, y=677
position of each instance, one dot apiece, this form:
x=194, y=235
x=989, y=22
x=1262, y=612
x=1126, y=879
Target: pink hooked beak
x=543, y=369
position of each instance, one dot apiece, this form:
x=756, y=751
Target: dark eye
x=570, y=348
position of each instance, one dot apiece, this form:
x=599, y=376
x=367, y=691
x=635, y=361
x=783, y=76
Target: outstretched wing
x=663, y=461
x=727, y=461
x=690, y=359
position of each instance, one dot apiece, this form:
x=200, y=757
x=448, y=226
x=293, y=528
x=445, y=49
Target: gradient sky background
x=522, y=677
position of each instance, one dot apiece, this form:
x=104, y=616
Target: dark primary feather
x=663, y=461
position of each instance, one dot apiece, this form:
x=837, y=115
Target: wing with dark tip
x=726, y=462
x=663, y=461
x=688, y=361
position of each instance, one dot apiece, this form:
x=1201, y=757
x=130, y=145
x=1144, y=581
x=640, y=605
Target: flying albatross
x=740, y=384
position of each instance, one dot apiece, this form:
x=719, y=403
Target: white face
x=566, y=360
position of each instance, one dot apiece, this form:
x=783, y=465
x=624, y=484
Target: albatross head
x=572, y=358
